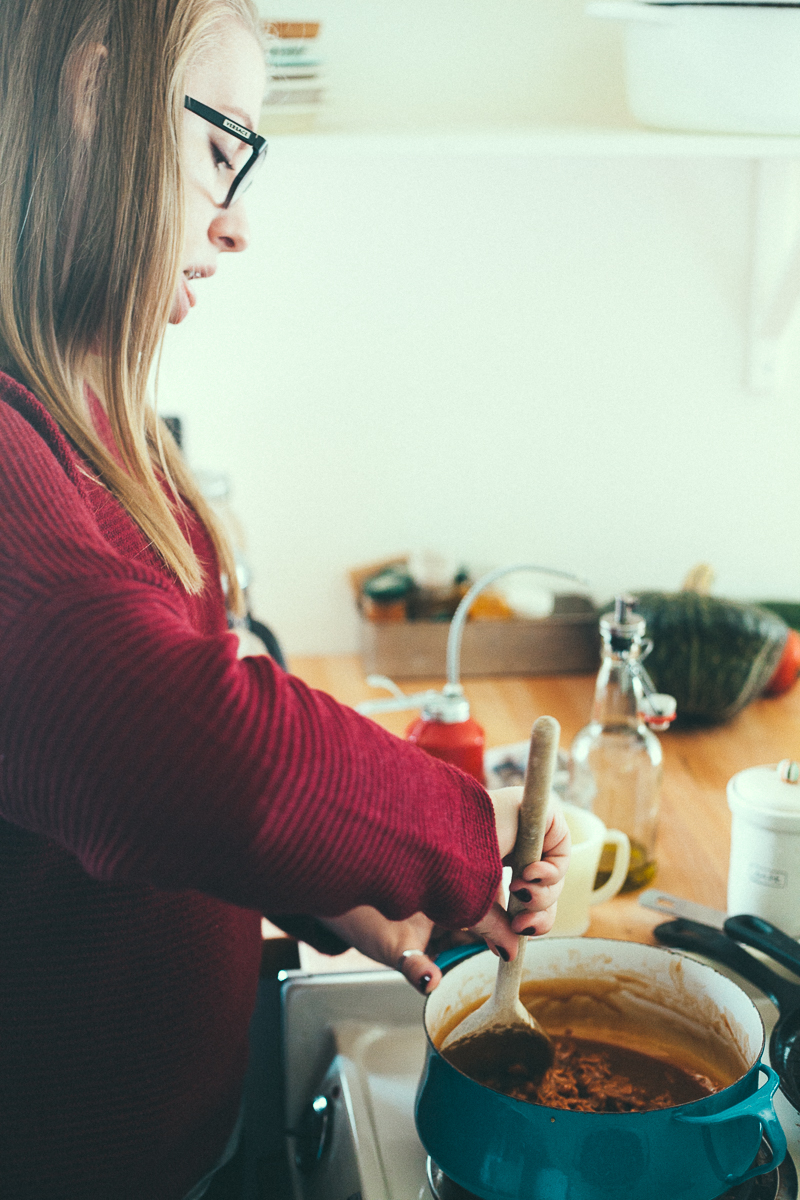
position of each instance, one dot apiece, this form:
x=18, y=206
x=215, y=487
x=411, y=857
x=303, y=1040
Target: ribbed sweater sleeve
x=152, y=754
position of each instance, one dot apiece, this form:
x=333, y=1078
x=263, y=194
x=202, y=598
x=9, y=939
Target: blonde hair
x=91, y=232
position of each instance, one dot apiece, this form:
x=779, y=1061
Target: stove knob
x=313, y=1134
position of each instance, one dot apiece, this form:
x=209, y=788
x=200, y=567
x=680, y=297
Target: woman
x=157, y=794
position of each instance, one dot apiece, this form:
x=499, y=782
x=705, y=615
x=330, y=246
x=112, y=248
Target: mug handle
x=622, y=860
x=759, y=1105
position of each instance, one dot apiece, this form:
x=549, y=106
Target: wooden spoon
x=501, y=1040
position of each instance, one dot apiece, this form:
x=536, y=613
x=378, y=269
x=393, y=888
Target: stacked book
x=294, y=77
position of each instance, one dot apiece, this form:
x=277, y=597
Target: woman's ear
x=83, y=77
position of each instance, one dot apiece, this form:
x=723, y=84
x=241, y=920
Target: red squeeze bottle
x=447, y=731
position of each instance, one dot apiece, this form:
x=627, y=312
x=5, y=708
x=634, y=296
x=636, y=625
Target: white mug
x=589, y=836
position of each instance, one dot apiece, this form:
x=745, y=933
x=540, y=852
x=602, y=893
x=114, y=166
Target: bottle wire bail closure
x=789, y=771
x=657, y=709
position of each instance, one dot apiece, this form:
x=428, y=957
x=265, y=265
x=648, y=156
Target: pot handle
x=754, y=931
x=629, y=10
x=456, y=954
x=759, y=1105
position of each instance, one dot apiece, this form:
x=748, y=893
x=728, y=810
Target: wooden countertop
x=694, y=831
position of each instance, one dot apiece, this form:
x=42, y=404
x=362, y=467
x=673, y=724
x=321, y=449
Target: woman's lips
x=190, y=296
x=185, y=298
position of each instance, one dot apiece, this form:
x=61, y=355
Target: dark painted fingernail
x=524, y=895
x=423, y=984
x=503, y=953
x=492, y=947
x=529, y=932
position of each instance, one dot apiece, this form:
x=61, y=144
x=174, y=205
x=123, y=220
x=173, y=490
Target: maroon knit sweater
x=156, y=796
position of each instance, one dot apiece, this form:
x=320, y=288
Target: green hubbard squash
x=713, y=655
x=789, y=610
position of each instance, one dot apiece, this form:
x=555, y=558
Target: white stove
x=355, y=1042
x=354, y=1048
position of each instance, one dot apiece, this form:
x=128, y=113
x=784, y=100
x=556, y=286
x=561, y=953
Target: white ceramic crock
x=764, y=871
x=708, y=67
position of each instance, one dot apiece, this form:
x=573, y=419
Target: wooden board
x=413, y=649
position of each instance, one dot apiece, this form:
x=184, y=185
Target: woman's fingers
x=540, y=884
x=542, y=874
x=496, y=931
x=533, y=924
x=506, y=802
x=398, y=944
x=556, y=845
x=420, y=971
x=555, y=854
x=537, y=888
x=502, y=935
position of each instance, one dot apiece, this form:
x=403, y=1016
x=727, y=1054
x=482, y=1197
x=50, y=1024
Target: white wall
x=503, y=357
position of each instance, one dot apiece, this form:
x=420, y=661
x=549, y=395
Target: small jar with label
x=764, y=872
x=384, y=596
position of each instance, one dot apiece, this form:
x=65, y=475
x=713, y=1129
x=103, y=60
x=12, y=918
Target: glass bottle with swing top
x=615, y=760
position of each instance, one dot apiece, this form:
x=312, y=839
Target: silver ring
x=406, y=954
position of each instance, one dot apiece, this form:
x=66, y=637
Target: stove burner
x=443, y=1188
x=780, y=1184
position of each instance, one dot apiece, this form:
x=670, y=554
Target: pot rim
x=524, y=1105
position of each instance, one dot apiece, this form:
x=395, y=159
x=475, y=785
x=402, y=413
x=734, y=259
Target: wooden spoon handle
x=530, y=836
x=536, y=796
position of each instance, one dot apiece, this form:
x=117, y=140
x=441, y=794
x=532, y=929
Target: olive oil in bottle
x=615, y=765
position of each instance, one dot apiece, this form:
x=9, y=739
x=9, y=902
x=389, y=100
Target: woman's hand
x=398, y=944
x=539, y=885
x=402, y=944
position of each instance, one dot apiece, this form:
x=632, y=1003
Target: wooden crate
x=567, y=643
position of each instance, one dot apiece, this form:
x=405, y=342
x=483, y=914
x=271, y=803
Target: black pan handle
x=754, y=931
x=703, y=939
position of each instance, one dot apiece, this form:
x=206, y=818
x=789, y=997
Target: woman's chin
x=182, y=302
x=179, y=313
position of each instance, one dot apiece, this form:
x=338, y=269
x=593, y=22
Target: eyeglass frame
x=248, y=136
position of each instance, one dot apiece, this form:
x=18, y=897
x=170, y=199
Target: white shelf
x=775, y=274
x=545, y=141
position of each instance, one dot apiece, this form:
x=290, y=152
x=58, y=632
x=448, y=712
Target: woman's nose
x=229, y=230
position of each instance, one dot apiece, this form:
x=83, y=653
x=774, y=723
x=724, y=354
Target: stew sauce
x=606, y=1060
x=593, y=1076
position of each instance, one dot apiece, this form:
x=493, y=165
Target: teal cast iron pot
x=504, y=1149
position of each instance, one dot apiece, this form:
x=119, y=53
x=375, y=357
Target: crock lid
x=774, y=788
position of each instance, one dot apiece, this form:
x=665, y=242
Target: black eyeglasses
x=257, y=143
